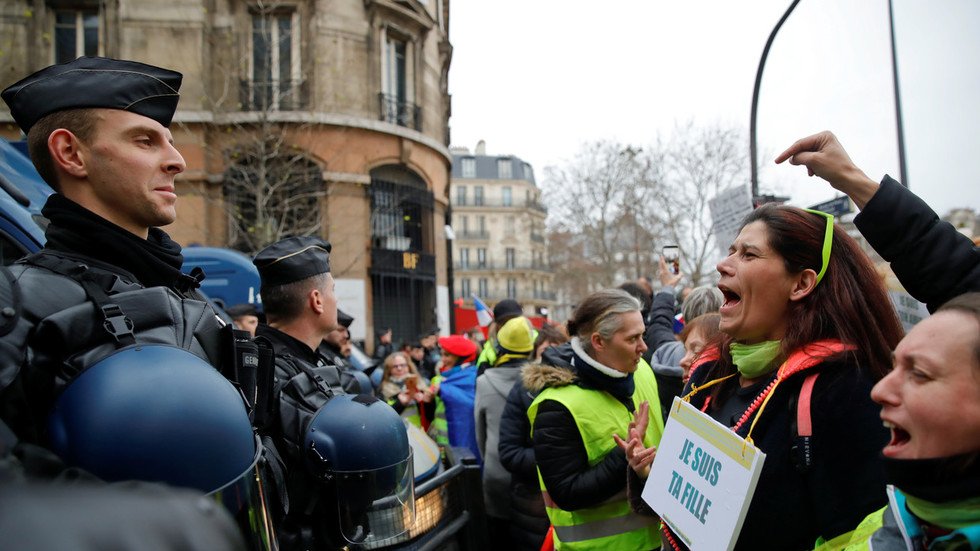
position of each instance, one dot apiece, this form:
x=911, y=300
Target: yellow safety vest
x=611, y=525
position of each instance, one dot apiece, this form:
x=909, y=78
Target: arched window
x=401, y=210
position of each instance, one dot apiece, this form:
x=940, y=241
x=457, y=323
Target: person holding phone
x=403, y=388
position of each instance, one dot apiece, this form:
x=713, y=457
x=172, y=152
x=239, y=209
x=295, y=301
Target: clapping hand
x=639, y=456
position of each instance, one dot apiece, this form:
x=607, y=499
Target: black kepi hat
x=292, y=259
x=95, y=82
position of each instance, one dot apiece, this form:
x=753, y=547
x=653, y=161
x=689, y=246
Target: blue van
x=22, y=195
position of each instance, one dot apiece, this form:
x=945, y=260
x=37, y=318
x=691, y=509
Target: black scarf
x=154, y=261
x=937, y=480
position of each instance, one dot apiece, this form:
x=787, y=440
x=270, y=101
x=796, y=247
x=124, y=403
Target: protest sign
x=702, y=480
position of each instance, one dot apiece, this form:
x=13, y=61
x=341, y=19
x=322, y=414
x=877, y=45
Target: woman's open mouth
x=900, y=438
x=731, y=298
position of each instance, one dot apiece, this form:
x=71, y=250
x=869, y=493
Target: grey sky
x=538, y=78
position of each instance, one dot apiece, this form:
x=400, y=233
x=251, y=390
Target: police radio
x=249, y=369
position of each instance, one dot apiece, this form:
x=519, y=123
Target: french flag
x=484, y=316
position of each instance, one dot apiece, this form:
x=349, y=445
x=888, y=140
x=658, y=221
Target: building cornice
x=306, y=117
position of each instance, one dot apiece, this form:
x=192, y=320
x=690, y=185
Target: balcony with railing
x=501, y=267
x=402, y=113
x=500, y=203
x=279, y=95
x=473, y=235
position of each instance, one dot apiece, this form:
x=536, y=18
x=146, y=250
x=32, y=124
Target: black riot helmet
x=357, y=446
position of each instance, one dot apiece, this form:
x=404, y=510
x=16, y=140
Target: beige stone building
x=296, y=117
x=498, y=219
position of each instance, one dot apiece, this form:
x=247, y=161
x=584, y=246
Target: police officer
x=301, y=310
x=107, y=280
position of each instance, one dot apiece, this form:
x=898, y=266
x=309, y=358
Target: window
x=275, y=69
x=507, y=196
x=481, y=258
x=478, y=196
x=482, y=287
x=397, y=88
x=464, y=258
x=76, y=34
x=482, y=222
x=469, y=168
x=464, y=222
x=464, y=287
x=528, y=173
x=509, y=256
x=511, y=288
x=461, y=195
x=504, y=169
x=509, y=226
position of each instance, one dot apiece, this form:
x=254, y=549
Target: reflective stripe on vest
x=611, y=524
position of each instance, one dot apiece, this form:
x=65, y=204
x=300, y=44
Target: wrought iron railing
x=279, y=95
x=402, y=113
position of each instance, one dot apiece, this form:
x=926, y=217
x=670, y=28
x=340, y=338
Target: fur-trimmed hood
x=554, y=369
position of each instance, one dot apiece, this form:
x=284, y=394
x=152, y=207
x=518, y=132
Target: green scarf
x=953, y=514
x=754, y=360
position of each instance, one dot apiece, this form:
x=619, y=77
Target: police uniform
x=337, y=447
x=351, y=380
x=99, y=302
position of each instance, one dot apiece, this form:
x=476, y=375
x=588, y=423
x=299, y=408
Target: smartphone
x=672, y=256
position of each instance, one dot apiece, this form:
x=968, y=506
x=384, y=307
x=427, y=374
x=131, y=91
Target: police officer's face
x=128, y=169
x=329, y=303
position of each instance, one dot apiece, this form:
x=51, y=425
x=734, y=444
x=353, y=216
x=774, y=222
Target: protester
x=503, y=311
x=549, y=335
x=403, y=388
x=453, y=392
x=696, y=334
x=933, y=261
x=591, y=387
x=515, y=344
x=802, y=302
x=385, y=346
x=931, y=404
x=528, y=520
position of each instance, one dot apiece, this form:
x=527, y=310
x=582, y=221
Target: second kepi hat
x=292, y=259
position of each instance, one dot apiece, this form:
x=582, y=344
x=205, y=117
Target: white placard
x=728, y=209
x=703, y=478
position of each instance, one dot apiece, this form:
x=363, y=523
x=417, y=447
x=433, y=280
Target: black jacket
x=529, y=520
x=932, y=260
x=845, y=482
x=558, y=448
x=661, y=328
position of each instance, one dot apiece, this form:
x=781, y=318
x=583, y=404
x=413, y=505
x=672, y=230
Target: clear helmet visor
x=376, y=505
x=246, y=499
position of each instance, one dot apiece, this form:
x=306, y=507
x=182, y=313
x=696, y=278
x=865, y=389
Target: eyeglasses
x=399, y=365
x=828, y=240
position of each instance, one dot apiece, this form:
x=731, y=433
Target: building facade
x=297, y=117
x=499, y=250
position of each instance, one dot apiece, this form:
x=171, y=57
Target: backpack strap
x=802, y=449
x=96, y=285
